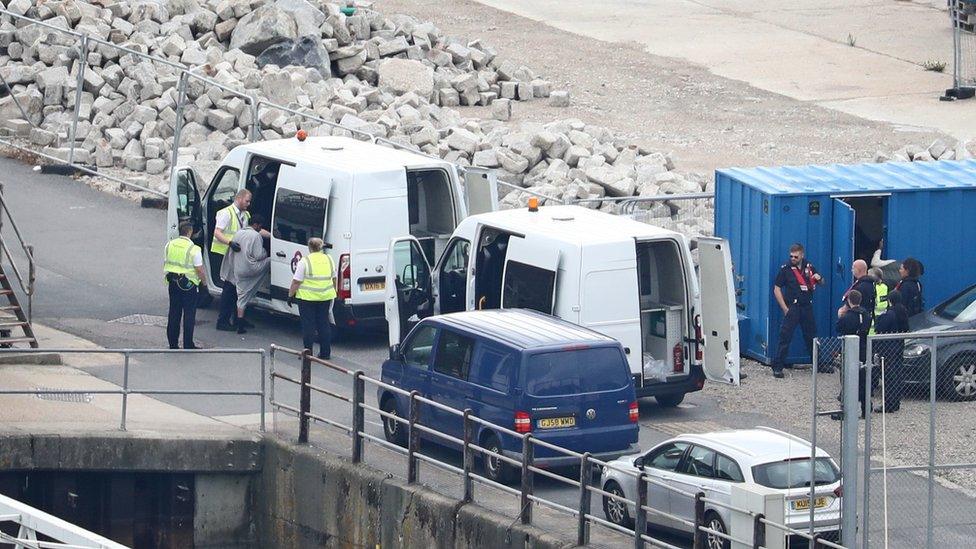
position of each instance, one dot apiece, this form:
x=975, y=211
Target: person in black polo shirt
x=864, y=284
x=793, y=289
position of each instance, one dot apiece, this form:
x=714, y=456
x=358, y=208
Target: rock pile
x=938, y=150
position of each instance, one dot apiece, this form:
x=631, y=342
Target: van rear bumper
x=694, y=382
x=571, y=461
x=365, y=315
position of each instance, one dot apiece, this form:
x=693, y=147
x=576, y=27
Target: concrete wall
x=311, y=499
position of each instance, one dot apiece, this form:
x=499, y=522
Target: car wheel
x=495, y=468
x=960, y=383
x=615, y=510
x=670, y=401
x=715, y=522
x=394, y=431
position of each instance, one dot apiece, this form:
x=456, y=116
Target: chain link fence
x=920, y=471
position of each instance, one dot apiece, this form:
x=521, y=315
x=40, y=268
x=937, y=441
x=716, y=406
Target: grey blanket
x=248, y=269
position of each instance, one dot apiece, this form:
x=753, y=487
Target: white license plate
x=804, y=504
x=372, y=286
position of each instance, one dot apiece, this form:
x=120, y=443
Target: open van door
x=408, y=287
x=480, y=190
x=184, y=204
x=529, y=280
x=720, y=327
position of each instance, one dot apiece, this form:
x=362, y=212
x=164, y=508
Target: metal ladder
x=14, y=315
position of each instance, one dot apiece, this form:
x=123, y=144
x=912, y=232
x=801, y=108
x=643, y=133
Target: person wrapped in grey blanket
x=247, y=266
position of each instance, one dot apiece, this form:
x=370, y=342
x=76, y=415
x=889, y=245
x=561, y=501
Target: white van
x=629, y=280
x=355, y=194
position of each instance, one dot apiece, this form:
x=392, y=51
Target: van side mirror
x=395, y=351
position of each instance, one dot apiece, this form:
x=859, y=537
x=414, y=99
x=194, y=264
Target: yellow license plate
x=557, y=422
x=804, y=504
x=372, y=286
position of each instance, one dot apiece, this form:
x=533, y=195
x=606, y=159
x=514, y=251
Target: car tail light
x=678, y=354
x=345, y=277
x=699, y=342
x=839, y=491
x=523, y=423
x=634, y=412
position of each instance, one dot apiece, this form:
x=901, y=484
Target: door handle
x=280, y=254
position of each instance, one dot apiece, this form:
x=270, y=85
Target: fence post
x=527, y=479
x=125, y=388
x=933, y=364
x=866, y=499
x=585, y=478
x=468, y=464
x=31, y=277
x=306, y=397
x=178, y=124
x=849, y=432
x=699, y=539
x=358, y=416
x=263, y=386
x=758, y=531
x=640, y=514
x=255, y=129
x=82, y=63
x=413, y=439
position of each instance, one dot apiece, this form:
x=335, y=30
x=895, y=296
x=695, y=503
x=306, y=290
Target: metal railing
x=126, y=389
x=31, y=522
x=26, y=283
x=524, y=466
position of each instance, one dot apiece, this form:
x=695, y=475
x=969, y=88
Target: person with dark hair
x=852, y=319
x=910, y=286
x=793, y=290
x=247, y=266
x=888, y=352
x=184, y=274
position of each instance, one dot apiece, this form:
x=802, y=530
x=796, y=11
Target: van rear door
x=480, y=190
x=529, y=279
x=408, y=287
x=720, y=328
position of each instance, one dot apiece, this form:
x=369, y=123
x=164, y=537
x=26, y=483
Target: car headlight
x=915, y=350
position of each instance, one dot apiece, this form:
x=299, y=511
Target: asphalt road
x=99, y=260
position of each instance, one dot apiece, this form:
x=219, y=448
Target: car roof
x=343, y=154
x=757, y=444
x=522, y=329
x=573, y=224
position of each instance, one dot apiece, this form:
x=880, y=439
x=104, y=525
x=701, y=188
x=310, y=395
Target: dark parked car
x=955, y=356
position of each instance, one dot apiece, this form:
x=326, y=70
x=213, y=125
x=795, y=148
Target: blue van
x=525, y=371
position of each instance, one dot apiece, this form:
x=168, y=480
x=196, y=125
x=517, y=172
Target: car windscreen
x=574, y=371
x=961, y=308
x=794, y=473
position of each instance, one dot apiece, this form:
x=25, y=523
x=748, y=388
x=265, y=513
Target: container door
x=842, y=254
x=529, y=279
x=480, y=190
x=184, y=204
x=408, y=287
x=720, y=325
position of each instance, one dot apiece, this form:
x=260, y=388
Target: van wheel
x=394, y=431
x=615, y=510
x=670, y=401
x=495, y=468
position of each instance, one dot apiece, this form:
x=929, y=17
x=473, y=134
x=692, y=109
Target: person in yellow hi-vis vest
x=183, y=268
x=313, y=286
x=229, y=220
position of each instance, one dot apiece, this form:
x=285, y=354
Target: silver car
x=711, y=463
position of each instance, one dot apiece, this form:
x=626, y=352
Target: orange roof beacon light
x=301, y=135
x=533, y=204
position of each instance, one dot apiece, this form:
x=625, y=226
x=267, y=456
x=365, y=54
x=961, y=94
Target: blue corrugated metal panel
x=858, y=178
x=762, y=211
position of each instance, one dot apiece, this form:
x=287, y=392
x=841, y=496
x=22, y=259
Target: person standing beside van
x=910, y=287
x=880, y=295
x=314, y=287
x=183, y=268
x=793, y=290
x=229, y=220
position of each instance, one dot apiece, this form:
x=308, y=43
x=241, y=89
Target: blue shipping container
x=923, y=210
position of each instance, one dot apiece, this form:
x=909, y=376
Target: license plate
x=804, y=504
x=557, y=422
x=373, y=286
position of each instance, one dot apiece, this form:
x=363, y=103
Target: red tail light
x=839, y=491
x=523, y=423
x=679, y=358
x=634, y=412
x=345, y=277
x=699, y=342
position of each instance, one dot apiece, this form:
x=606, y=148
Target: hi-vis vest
x=317, y=285
x=219, y=247
x=179, y=258
x=880, y=303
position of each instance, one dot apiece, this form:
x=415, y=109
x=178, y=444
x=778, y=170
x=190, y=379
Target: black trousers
x=182, y=309
x=801, y=315
x=315, y=324
x=227, y=314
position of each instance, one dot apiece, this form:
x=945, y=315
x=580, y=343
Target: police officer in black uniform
x=864, y=284
x=793, y=289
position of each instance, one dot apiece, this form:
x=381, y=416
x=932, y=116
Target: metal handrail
x=26, y=286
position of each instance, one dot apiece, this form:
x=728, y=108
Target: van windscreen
x=575, y=371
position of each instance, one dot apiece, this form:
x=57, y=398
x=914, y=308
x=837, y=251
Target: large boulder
x=263, y=28
x=307, y=51
x=308, y=18
x=406, y=75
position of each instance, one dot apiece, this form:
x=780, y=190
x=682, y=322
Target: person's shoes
x=240, y=329
x=174, y=346
x=778, y=374
x=881, y=409
x=194, y=346
x=243, y=322
x=325, y=357
x=837, y=416
x=225, y=327
x=743, y=375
